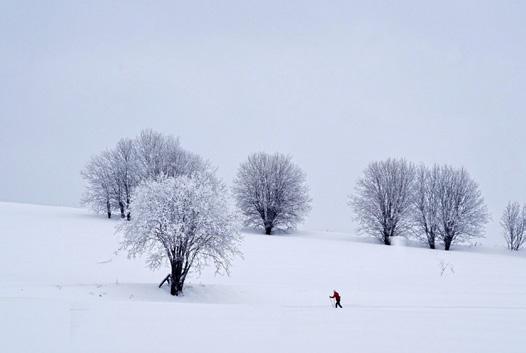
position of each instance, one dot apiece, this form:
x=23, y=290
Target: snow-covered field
x=64, y=289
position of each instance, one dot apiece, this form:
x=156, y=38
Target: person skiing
x=337, y=298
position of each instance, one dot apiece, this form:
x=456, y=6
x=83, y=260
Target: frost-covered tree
x=382, y=202
x=461, y=209
x=183, y=221
x=271, y=192
x=425, y=203
x=125, y=171
x=99, y=183
x=513, y=222
x=178, y=161
x=151, y=153
x=149, y=156
x=162, y=155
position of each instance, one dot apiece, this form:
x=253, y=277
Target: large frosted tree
x=271, y=192
x=382, y=201
x=461, y=209
x=182, y=221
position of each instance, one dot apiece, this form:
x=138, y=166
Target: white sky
x=335, y=84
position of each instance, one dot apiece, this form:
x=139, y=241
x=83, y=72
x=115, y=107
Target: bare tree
x=425, y=213
x=159, y=154
x=513, y=222
x=151, y=147
x=383, y=198
x=125, y=171
x=98, y=177
x=461, y=209
x=149, y=156
x=271, y=192
x=184, y=221
x=178, y=161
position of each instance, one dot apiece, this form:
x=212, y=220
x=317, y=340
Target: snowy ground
x=63, y=289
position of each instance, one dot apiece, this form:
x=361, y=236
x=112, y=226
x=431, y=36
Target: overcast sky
x=334, y=84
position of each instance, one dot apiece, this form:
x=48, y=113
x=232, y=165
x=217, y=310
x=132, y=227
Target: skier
x=337, y=298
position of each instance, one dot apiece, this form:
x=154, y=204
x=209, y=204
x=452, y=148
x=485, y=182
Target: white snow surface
x=64, y=289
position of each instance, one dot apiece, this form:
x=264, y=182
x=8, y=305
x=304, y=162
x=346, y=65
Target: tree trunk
x=121, y=207
x=268, y=227
x=108, y=208
x=432, y=242
x=387, y=238
x=173, y=288
x=176, y=285
x=447, y=243
x=128, y=216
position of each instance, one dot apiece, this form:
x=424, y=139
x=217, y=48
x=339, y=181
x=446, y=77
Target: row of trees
x=394, y=197
x=439, y=203
x=181, y=213
x=177, y=209
x=113, y=175
x=270, y=190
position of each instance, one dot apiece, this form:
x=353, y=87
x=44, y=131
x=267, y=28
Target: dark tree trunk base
x=431, y=243
x=177, y=278
x=173, y=289
x=108, y=209
x=121, y=208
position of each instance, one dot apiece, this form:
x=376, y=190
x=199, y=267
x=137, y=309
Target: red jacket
x=336, y=296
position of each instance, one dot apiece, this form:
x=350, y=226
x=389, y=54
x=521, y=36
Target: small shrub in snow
x=271, y=192
x=183, y=221
x=513, y=222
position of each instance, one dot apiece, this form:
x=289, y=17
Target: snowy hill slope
x=63, y=289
